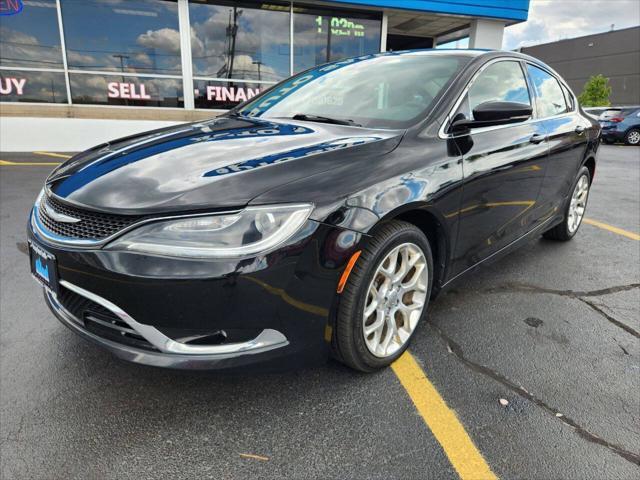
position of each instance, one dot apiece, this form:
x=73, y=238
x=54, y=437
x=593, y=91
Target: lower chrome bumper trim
x=267, y=340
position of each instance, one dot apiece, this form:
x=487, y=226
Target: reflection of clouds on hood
x=21, y=49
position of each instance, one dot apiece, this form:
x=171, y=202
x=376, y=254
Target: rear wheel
x=575, y=209
x=632, y=137
x=385, y=297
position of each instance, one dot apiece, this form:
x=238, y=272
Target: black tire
x=632, y=137
x=349, y=342
x=561, y=231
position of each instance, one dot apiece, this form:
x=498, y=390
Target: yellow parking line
x=443, y=422
x=51, y=154
x=7, y=163
x=611, y=228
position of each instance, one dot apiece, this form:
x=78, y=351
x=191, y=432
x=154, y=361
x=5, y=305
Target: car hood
x=224, y=162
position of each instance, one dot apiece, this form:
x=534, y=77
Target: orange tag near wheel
x=347, y=271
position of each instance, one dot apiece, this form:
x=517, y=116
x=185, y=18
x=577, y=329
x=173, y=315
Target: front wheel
x=385, y=297
x=632, y=137
x=574, y=211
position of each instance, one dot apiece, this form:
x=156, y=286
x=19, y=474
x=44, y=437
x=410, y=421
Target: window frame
x=444, y=131
x=563, y=88
x=525, y=77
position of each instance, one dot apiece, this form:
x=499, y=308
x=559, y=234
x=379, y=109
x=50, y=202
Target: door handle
x=579, y=129
x=537, y=138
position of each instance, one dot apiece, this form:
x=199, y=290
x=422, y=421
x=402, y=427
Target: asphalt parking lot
x=553, y=331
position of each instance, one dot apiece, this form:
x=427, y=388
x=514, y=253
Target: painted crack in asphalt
x=577, y=295
x=457, y=351
x=610, y=318
x=525, y=287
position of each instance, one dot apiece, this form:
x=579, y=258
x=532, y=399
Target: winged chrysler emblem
x=57, y=216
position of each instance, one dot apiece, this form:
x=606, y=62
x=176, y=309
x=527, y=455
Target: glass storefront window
x=128, y=52
x=21, y=86
x=31, y=38
x=322, y=36
x=134, y=36
x=224, y=95
x=240, y=40
x=124, y=90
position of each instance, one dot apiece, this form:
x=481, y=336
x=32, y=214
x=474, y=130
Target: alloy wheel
x=578, y=204
x=395, y=300
x=634, y=137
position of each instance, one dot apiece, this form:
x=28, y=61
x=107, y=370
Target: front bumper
x=160, y=311
x=175, y=355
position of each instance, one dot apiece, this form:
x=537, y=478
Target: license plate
x=43, y=267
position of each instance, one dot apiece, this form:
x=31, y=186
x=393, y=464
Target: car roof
x=478, y=54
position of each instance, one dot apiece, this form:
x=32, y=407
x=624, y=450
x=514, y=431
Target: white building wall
x=28, y=134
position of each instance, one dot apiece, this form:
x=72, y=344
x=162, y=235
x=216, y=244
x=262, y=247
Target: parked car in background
x=608, y=113
x=595, y=112
x=621, y=125
x=318, y=218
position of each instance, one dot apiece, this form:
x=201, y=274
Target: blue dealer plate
x=43, y=267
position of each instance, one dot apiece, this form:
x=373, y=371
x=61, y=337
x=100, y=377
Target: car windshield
x=380, y=91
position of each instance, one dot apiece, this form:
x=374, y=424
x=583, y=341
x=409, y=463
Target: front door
x=503, y=168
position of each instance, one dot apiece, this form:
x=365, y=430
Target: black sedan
x=319, y=218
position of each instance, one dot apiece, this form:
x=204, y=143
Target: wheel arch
x=433, y=226
x=590, y=163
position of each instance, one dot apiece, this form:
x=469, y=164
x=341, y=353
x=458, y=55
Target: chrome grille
x=92, y=225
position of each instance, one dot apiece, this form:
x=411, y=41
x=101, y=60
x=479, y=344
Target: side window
x=549, y=92
x=499, y=82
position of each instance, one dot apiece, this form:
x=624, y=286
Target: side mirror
x=488, y=114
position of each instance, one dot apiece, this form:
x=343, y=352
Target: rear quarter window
x=550, y=96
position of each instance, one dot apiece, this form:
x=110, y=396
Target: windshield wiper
x=318, y=118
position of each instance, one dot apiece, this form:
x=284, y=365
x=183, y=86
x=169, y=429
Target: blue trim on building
x=513, y=10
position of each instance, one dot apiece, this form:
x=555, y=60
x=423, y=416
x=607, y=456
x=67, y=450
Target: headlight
x=255, y=230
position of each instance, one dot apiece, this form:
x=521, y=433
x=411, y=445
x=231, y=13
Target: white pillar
x=185, y=49
x=383, y=32
x=486, y=34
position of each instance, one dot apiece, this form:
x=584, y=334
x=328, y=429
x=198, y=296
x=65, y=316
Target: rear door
x=567, y=136
x=503, y=168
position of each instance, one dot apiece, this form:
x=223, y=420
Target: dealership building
x=97, y=69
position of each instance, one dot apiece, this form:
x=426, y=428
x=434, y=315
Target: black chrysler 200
x=320, y=217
